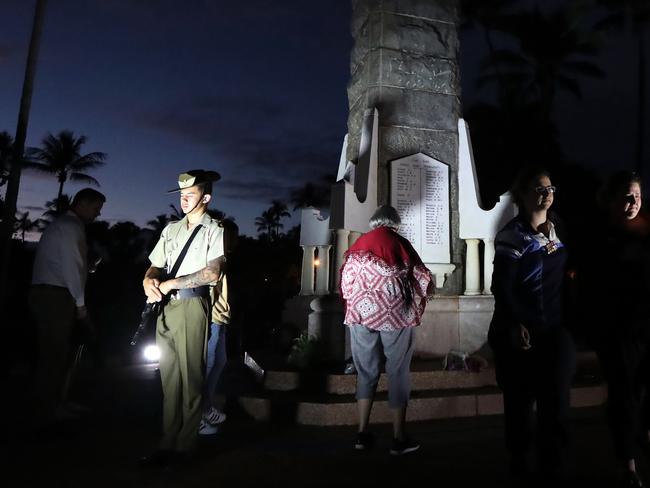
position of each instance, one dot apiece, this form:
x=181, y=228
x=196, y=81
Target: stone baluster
x=472, y=268
x=323, y=270
x=352, y=238
x=488, y=265
x=341, y=246
x=307, y=277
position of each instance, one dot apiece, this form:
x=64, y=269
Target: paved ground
x=101, y=449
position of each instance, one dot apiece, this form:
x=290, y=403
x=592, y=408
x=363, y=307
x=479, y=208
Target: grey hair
x=385, y=216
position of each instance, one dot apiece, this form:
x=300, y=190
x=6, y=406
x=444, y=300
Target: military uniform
x=181, y=331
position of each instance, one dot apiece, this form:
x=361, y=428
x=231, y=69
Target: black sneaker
x=404, y=446
x=365, y=441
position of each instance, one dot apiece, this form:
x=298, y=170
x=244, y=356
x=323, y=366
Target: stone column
x=341, y=246
x=352, y=238
x=307, y=276
x=472, y=268
x=404, y=63
x=488, y=265
x=323, y=271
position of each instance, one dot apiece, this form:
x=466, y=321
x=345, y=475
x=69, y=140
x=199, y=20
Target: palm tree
x=535, y=71
x=24, y=224
x=278, y=211
x=634, y=15
x=485, y=15
x=158, y=223
x=309, y=195
x=176, y=213
x=13, y=185
x=220, y=215
x=61, y=155
x=56, y=207
x=265, y=223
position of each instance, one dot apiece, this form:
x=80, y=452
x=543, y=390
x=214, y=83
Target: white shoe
x=213, y=416
x=207, y=429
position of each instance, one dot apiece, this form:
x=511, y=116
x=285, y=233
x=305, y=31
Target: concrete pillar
x=323, y=270
x=307, y=276
x=352, y=238
x=325, y=323
x=341, y=245
x=405, y=63
x=472, y=268
x=488, y=265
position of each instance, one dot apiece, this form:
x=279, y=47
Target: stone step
x=330, y=410
x=327, y=397
x=345, y=384
x=425, y=375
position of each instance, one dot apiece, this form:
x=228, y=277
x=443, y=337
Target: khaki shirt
x=206, y=246
x=220, y=305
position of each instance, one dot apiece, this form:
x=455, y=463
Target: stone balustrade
x=473, y=267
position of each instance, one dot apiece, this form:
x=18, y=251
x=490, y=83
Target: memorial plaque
x=420, y=192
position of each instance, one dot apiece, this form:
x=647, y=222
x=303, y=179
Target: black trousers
x=625, y=360
x=540, y=376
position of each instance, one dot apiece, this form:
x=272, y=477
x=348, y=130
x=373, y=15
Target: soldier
x=182, y=326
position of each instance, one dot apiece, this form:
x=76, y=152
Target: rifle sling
x=181, y=256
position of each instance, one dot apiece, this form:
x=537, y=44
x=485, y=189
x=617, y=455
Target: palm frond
x=84, y=178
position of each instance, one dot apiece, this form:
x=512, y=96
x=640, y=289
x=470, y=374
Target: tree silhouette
x=635, y=16
x=61, y=156
x=485, y=15
x=553, y=52
x=24, y=224
x=278, y=211
x=220, y=215
x=55, y=207
x=310, y=195
x=176, y=213
x=158, y=223
x=6, y=148
x=265, y=223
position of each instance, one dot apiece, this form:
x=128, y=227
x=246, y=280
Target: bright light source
x=317, y=262
x=151, y=353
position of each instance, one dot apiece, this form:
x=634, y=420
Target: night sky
x=254, y=89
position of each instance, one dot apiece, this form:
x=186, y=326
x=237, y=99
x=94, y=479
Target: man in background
x=57, y=298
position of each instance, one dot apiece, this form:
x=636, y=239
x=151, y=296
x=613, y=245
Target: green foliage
x=306, y=352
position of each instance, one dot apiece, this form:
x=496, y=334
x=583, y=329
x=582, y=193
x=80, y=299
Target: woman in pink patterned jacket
x=385, y=286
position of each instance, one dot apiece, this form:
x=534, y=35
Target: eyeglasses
x=541, y=190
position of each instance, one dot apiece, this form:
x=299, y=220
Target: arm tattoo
x=207, y=275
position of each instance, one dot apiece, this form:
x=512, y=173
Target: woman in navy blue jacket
x=534, y=354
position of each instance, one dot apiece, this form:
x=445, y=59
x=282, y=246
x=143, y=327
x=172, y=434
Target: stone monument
x=404, y=65
x=407, y=146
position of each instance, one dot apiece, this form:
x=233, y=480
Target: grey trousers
x=366, y=345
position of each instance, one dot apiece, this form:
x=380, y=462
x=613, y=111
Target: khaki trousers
x=181, y=336
x=54, y=310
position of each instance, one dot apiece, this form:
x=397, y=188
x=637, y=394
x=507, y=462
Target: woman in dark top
x=624, y=344
x=534, y=354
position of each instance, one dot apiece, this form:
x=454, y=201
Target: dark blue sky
x=255, y=89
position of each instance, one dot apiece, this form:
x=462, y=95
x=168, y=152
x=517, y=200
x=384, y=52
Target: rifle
x=148, y=320
x=150, y=313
